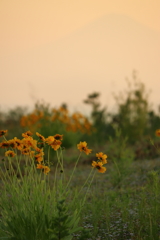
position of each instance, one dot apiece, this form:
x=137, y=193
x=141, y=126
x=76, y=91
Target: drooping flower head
x=4, y=144
x=46, y=169
x=98, y=166
x=58, y=137
x=157, y=132
x=10, y=153
x=50, y=140
x=3, y=132
x=40, y=166
x=29, y=142
x=102, y=157
x=39, y=156
x=42, y=138
x=18, y=143
x=12, y=143
x=56, y=144
x=82, y=146
x=27, y=134
x=26, y=151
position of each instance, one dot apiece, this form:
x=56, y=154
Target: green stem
x=49, y=155
x=73, y=171
x=84, y=199
x=117, y=167
x=58, y=157
x=85, y=181
x=55, y=176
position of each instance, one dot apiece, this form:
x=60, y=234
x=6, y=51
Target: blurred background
x=62, y=50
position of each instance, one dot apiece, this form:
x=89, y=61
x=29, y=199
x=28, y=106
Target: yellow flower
x=30, y=142
x=102, y=157
x=12, y=143
x=99, y=166
x=58, y=137
x=23, y=146
x=40, y=166
x=26, y=151
x=3, y=132
x=39, y=156
x=4, y=144
x=82, y=146
x=27, y=134
x=50, y=140
x=56, y=144
x=157, y=132
x=10, y=153
x=46, y=170
x=18, y=143
x=41, y=137
x=38, y=149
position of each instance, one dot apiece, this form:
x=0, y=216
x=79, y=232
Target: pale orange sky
x=27, y=26
x=28, y=23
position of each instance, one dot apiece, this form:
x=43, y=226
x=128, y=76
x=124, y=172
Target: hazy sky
x=30, y=28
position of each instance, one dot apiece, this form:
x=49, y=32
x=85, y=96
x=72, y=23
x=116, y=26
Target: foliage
x=34, y=206
x=134, y=117
x=133, y=108
x=122, y=157
x=99, y=118
x=11, y=120
x=49, y=120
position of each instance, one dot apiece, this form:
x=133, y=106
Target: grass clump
x=35, y=205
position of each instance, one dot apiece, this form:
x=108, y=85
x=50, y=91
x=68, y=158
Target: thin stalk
x=85, y=181
x=117, y=167
x=73, y=171
x=59, y=160
x=84, y=199
x=49, y=155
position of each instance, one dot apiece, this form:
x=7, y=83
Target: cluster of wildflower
x=32, y=119
x=101, y=157
x=30, y=147
x=34, y=149
x=75, y=122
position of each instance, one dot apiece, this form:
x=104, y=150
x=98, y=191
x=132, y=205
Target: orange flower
x=23, y=146
x=58, y=137
x=18, y=143
x=50, y=140
x=102, y=157
x=10, y=153
x=56, y=144
x=27, y=134
x=26, y=151
x=46, y=170
x=4, y=144
x=3, y=132
x=40, y=137
x=12, y=143
x=99, y=166
x=82, y=146
x=157, y=132
x=30, y=142
x=38, y=149
x=40, y=166
x=39, y=156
